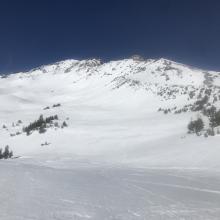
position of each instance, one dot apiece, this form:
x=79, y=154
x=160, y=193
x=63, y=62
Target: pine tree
x=6, y=152
x=11, y=154
x=1, y=155
x=215, y=119
x=196, y=126
x=64, y=124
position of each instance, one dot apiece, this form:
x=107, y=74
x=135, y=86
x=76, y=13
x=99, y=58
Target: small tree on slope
x=196, y=126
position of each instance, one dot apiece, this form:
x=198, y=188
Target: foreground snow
x=32, y=190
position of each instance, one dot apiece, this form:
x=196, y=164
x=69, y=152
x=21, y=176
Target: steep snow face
x=111, y=110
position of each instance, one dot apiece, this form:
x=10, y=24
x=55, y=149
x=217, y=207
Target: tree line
x=40, y=124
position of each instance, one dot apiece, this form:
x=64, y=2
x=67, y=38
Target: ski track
x=105, y=193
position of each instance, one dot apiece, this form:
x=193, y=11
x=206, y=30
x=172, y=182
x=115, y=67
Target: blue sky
x=44, y=31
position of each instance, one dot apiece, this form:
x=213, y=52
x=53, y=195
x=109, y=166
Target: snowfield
x=86, y=191
x=125, y=153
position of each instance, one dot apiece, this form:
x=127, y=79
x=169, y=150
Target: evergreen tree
x=215, y=119
x=64, y=124
x=1, y=155
x=11, y=154
x=6, y=152
x=42, y=130
x=196, y=126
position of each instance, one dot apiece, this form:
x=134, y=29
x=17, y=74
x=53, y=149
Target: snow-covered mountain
x=131, y=111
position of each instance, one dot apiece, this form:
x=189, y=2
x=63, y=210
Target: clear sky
x=36, y=32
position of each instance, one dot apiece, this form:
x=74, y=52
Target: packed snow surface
x=85, y=191
x=119, y=157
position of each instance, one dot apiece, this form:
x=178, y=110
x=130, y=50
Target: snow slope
x=112, y=112
x=126, y=153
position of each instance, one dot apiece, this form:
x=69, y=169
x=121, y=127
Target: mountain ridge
x=100, y=61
